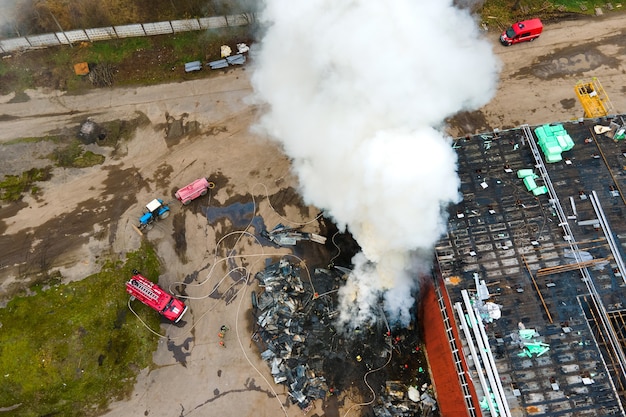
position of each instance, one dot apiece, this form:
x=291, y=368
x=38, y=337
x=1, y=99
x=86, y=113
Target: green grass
x=88, y=159
x=19, y=79
x=13, y=186
x=55, y=139
x=73, y=155
x=504, y=12
x=69, y=349
x=115, y=51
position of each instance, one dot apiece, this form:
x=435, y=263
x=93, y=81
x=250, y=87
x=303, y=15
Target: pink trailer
x=194, y=190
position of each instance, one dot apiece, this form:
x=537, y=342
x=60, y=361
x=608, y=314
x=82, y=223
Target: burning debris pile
x=397, y=401
x=296, y=337
x=282, y=308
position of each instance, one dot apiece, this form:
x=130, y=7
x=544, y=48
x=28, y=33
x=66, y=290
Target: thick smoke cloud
x=7, y=14
x=357, y=94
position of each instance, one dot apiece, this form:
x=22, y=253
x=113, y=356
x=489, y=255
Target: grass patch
x=13, y=78
x=74, y=156
x=114, y=51
x=88, y=159
x=70, y=348
x=505, y=12
x=55, y=139
x=13, y=186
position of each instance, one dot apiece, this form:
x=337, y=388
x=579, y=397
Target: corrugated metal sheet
x=212, y=22
x=193, y=66
x=237, y=59
x=158, y=28
x=43, y=40
x=14, y=44
x=221, y=63
x=127, y=31
x=185, y=25
x=76, y=36
x=100, y=34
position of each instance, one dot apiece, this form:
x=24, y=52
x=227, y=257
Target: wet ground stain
x=249, y=385
x=568, y=103
x=180, y=352
x=9, y=210
x=175, y=129
x=162, y=175
x=574, y=60
x=288, y=197
x=219, y=179
x=180, y=237
x=35, y=250
x=237, y=216
x=469, y=122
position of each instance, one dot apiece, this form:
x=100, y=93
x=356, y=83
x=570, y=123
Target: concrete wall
x=125, y=31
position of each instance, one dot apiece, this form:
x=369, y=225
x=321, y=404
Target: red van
x=154, y=297
x=527, y=30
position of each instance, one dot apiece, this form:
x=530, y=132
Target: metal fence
x=125, y=31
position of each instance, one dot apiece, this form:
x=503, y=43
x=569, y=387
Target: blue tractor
x=154, y=210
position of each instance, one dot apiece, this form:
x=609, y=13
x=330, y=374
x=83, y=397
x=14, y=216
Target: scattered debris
x=89, y=131
x=101, y=75
x=287, y=236
x=193, y=66
x=296, y=338
x=281, y=309
x=238, y=59
x=615, y=130
x=225, y=51
x=400, y=401
x=82, y=68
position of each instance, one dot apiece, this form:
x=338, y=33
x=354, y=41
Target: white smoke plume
x=7, y=14
x=357, y=93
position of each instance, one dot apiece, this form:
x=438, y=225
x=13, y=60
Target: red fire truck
x=155, y=297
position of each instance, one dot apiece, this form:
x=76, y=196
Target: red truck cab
x=194, y=190
x=155, y=297
x=527, y=30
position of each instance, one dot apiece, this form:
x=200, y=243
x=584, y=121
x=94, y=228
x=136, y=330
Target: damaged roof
x=546, y=255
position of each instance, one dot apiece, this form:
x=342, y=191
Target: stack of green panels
x=529, y=177
x=553, y=140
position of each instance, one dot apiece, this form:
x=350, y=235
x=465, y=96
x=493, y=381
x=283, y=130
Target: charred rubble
x=295, y=334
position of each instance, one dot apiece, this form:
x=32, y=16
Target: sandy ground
x=82, y=215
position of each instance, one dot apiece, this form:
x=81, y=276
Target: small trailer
x=194, y=190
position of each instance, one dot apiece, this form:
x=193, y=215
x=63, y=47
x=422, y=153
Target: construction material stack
x=553, y=140
x=529, y=177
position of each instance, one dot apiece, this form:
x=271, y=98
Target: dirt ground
x=202, y=128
